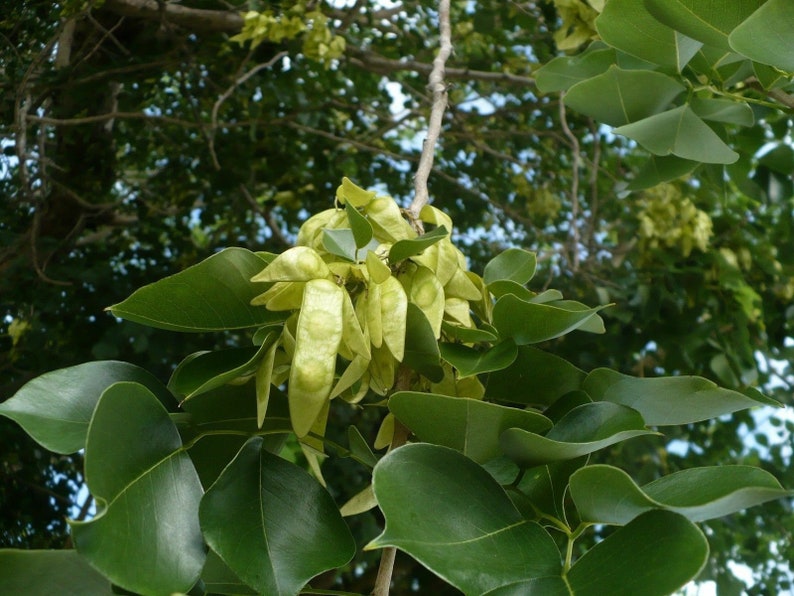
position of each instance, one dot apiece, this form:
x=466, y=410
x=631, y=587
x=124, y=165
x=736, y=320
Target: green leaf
x=654, y=555
x=765, y=36
x=594, y=324
x=564, y=71
x=530, y=323
x=723, y=110
x=541, y=586
x=468, y=425
x=658, y=169
x=628, y=26
x=219, y=579
x=585, y=429
x=546, y=487
x=468, y=335
x=470, y=362
x=622, y=96
x=292, y=528
x=361, y=228
x=341, y=243
x=666, y=401
x=501, y=287
x=136, y=469
x=203, y=371
x=55, y=408
x=421, y=348
x=607, y=495
x=535, y=378
x=61, y=572
x=679, y=132
x=359, y=448
x=211, y=296
x=704, y=20
x=422, y=490
x=513, y=264
x=402, y=249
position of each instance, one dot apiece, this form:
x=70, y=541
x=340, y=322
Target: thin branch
x=227, y=94
x=267, y=215
x=439, y=89
x=110, y=116
x=574, y=186
x=594, y=171
x=193, y=19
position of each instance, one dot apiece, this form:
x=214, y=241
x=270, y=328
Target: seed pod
x=387, y=222
x=354, y=371
x=311, y=232
x=283, y=295
x=428, y=294
x=460, y=286
x=456, y=310
x=299, y=263
x=348, y=192
x=353, y=336
x=317, y=338
x=374, y=314
x=394, y=315
x=381, y=370
x=264, y=377
x=377, y=269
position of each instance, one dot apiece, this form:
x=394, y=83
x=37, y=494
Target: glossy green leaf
x=219, y=579
x=136, y=469
x=468, y=425
x=449, y=514
x=546, y=487
x=565, y=71
x=530, y=323
x=661, y=168
x=705, y=20
x=541, y=586
x=40, y=572
x=211, y=296
x=501, y=287
x=513, y=264
x=654, y=555
x=361, y=228
x=607, y=495
x=293, y=530
x=666, y=400
x=402, y=249
x=341, y=243
x=359, y=448
x=421, y=348
x=622, y=96
x=469, y=334
x=535, y=378
x=585, y=429
x=765, y=36
x=56, y=407
x=679, y=132
x=628, y=26
x=469, y=361
x=723, y=110
x=594, y=324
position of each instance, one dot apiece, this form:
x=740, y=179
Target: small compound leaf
x=628, y=26
x=531, y=323
x=607, y=495
x=136, y=469
x=61, y=572
x=468, y=425
x=469, y=334
x=361, y=228
x=661, y=168
x=765, y=36
x=470, y=362
x=535, y=378
x=341, y=243
x=666, y=401
x=682, y=133
x=565, y=71
x=627, y=562
x=622, y=96
x=56, y=407
x=293, y=530
x=546, y=487
x=213, y=295
x=585, y=429
x=422, y=490
x=514, y=264
x=402, y=249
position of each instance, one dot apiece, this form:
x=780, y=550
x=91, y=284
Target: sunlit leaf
x=136, y=470
x=585, y=429
x=468, y=425
x=56, y=407
x=607, y=495
x=213, y=295
x=422, y=490
x=293, y=530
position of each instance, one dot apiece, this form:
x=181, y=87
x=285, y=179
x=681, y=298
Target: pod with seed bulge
x=394, y=316
x=299, y=263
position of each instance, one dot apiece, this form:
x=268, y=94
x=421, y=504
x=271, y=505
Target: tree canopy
x=642, y=150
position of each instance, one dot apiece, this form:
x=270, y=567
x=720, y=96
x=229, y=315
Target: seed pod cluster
x=348, y=283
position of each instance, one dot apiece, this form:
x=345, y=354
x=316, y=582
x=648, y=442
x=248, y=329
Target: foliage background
x=133, y=147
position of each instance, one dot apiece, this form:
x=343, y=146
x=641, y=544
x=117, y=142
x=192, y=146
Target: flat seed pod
x=460, y=286
x=378, y=270
x=438, y=218
x=317, y=338
x=299, y=263
x=284, y=295
x=352, y=334
x=456, y=310
x=313, y=226
x=354, y=371
x=349, y=192
x=428, y=294
x=374, y=315
x=387, y=222
x=394, y=316
x=264, y=378
x=381, y=370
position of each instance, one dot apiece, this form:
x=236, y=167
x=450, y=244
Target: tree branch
x=439, y=89
x=194, y=19
x=576, y=152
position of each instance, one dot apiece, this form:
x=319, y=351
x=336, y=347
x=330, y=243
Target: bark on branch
x=194, y=19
